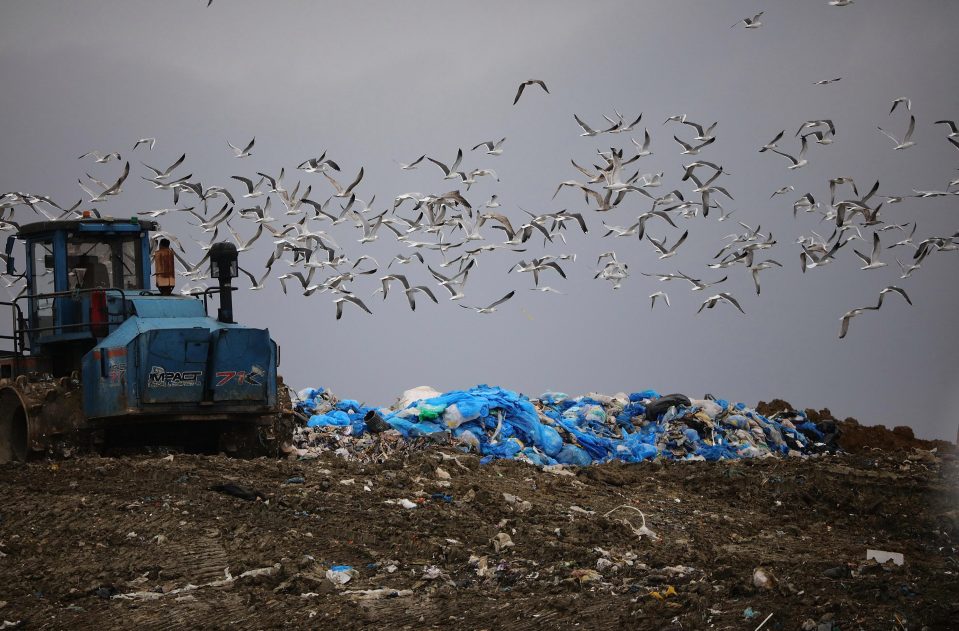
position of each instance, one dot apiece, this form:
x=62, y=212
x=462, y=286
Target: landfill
x=556, y=429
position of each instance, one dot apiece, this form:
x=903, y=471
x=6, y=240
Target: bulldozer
x=95, y=359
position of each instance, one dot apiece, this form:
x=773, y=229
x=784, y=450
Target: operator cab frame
x=79, y=274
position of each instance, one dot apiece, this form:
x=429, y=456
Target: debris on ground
x=142, y=542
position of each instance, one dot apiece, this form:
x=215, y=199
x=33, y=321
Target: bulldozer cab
x=79, y=274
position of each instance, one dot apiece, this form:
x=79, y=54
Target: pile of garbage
x=557, y=429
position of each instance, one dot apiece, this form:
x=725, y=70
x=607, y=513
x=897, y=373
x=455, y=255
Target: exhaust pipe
x=223, y=267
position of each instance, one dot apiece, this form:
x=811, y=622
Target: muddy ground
x=142, y=542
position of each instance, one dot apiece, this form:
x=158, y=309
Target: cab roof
x=92, y=225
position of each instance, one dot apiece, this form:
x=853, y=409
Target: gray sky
x=375, y=82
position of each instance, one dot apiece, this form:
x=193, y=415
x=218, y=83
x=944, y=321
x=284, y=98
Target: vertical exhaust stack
x=223, y=267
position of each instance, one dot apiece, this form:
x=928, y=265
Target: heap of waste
x=558, y=429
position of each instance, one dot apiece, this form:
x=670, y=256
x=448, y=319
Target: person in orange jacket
x=163, y=268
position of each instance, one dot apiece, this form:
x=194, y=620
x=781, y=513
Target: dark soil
x=119, y=543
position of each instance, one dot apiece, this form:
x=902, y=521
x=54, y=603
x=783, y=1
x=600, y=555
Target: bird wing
x=912, y=127
x=728, y=298
x=888, y=135
x=503, y=299
x=685, y=146
x=519, y=93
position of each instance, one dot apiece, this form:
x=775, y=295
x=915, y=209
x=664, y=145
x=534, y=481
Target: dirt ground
x=143, y=542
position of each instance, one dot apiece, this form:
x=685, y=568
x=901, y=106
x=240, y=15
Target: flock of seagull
x=461, y=230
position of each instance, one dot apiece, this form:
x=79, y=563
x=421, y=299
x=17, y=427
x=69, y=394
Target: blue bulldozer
x=95, y=359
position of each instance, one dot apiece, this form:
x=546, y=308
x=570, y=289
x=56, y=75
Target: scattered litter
x=340, y=574
x=763, y=578
x=297, y=479
x=881, y=556
x=761, y=624
x=586, y=575
x=502, y=541
x=407, y=504
x=640, y=532
x=377, y=594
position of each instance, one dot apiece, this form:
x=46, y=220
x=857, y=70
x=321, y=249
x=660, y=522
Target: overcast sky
x=373, y=83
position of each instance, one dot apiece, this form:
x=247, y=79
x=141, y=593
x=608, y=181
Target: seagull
x=523, y=85
x=344, y=192
x=906, y=142
x=692, y=151
x=702, y=134
x=849, y=315
x=257, y=284
x=827, y=81
x=658, y=294
x=642, y=150
x=145, y=141
x=450, y=172
x=872, y=261
x=752, y=22
x=492, y=148
x=317, y=165
x=840, y=3
x=953, y=130
x=896, y=103
x=348, y=297
x=546, y=289
x=252, y=189
x=162, y=175
x=772, y=143
x=491, y=307
x=758, y=268
x=411, y=165
x=399, y=258
x=100, y=158
x=799, y=162
x=620, y=126
x=783, y=191
x=113, y=189
x=589, y=131
x=447, y=283
x=242, y=153
x=893, y=289
x=664, y=252
x=907, y=270
x=712, y=301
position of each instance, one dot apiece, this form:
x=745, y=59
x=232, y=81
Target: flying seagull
x=896, y=102
x=953, y=130
x=492, y=148
x=344, y=192
x=752, y=22
x=849, y=315
x=523, y=85
x=906, y=142
x=145, y=141
x=663, y=250
x=712, y=301
x=242, y=153
x=872, y=261
x=100, y=158
x=658, y=294
x=348, y=297
x=411, y=165
x=491, y=307
x=827, y=81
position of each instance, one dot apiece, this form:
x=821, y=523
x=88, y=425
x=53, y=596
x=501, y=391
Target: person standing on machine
x=163, y=268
